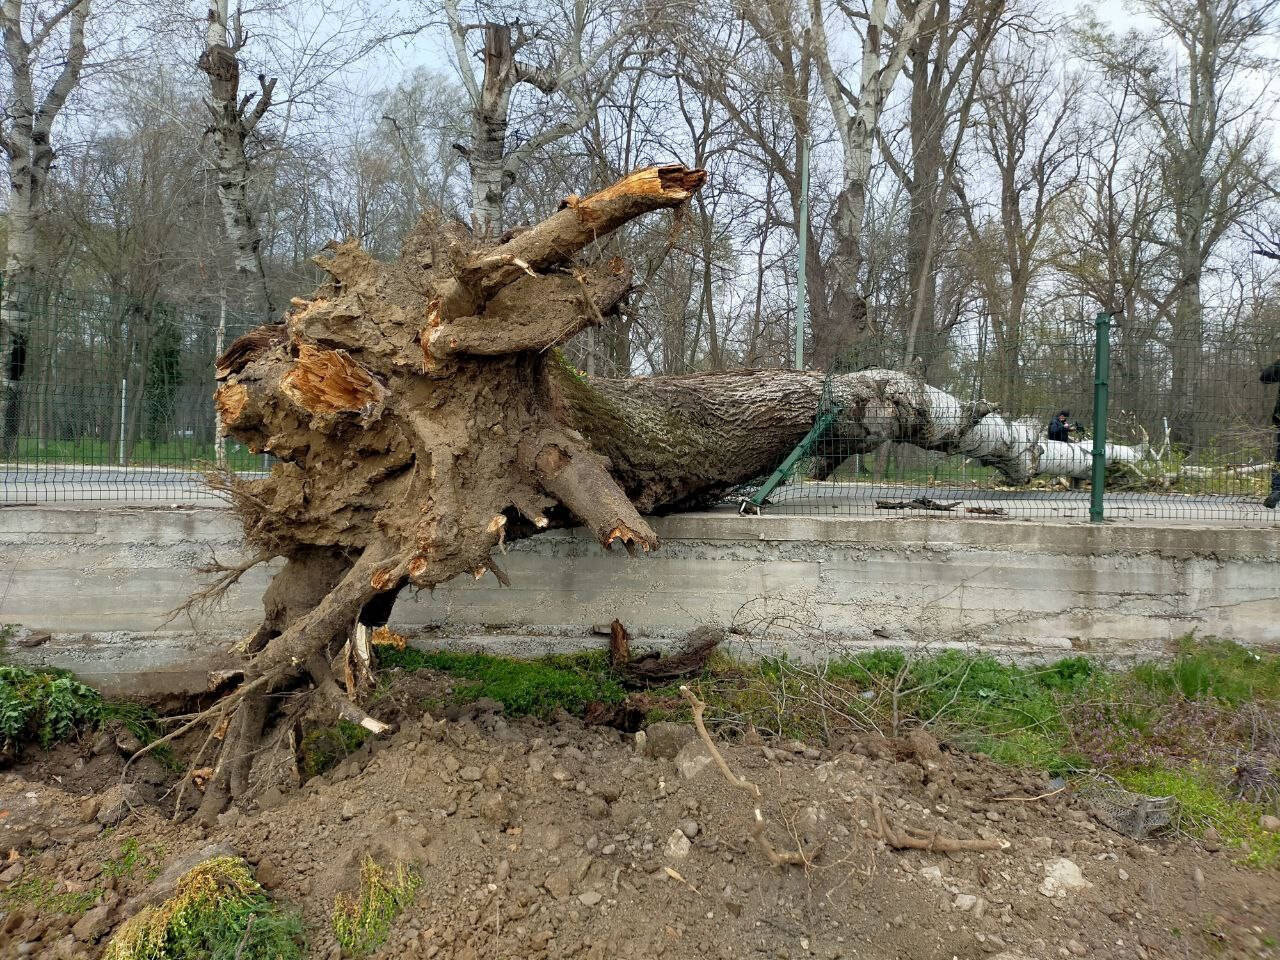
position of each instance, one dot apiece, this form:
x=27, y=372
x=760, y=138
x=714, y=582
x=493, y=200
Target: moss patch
x=325, y=747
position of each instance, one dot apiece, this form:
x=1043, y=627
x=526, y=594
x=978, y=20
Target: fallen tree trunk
x=423, y=417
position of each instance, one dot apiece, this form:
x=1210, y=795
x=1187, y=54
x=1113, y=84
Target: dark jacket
x=1062, y=431
x=1271, y=374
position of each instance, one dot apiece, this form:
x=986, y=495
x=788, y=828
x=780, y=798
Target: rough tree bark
x=235, y=117
x=26, y=137
x=422, y=418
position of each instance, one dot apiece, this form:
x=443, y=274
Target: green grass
x=1202, y=804
x=36, y=893
x=132, y=856
x=523, y=687
x=180, y=453
x=1214, y=669
x=363, y=922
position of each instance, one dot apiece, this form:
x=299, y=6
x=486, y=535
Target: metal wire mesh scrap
x=1136, y=815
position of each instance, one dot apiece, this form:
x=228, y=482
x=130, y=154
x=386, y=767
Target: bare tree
x=1211, y=146
x=944, y=67
x=38, y=41
x=857, y=115
x=1028, y=142
x=235, y=116
x=567, y=73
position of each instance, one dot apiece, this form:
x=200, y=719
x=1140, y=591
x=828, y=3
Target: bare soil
x=542, y=839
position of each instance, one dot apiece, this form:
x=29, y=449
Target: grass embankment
x=1176, y=728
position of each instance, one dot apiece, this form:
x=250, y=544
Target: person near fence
x=1059, y=428
x=1271, y=374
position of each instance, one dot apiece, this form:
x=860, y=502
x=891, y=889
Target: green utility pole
x=802, y=265
x=1101, y=379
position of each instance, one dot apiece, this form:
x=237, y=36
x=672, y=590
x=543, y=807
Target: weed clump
x=363, y=922
x=217, y=912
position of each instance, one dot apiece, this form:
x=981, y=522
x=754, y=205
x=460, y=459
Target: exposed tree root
x=224, y=578
x=776, y=858
x=912, y=838
x=423, y=419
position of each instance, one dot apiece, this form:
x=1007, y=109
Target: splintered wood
x=673, y=182
x=329, y=381
x=230, y=402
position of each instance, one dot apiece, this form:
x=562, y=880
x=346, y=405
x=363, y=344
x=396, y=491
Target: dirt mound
x=552, y=839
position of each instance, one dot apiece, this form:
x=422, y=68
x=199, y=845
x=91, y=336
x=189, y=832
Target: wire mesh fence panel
x=113, y=398
x=1191, y=432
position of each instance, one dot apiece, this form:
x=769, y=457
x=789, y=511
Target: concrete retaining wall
x=102, y=579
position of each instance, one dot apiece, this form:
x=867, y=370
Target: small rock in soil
x=116, y=803
x=1061, y=876
x=678, y=845
x=693, y=758
x=558, y=884
x=93, y=924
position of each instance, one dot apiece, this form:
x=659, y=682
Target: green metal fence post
x=1101, y=383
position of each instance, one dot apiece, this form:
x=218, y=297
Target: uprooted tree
x=423, y=417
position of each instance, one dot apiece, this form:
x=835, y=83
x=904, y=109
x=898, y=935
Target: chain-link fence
x=110, y=396
x=1189, y=433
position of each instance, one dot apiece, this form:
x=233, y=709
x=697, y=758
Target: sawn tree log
x=422, y=416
